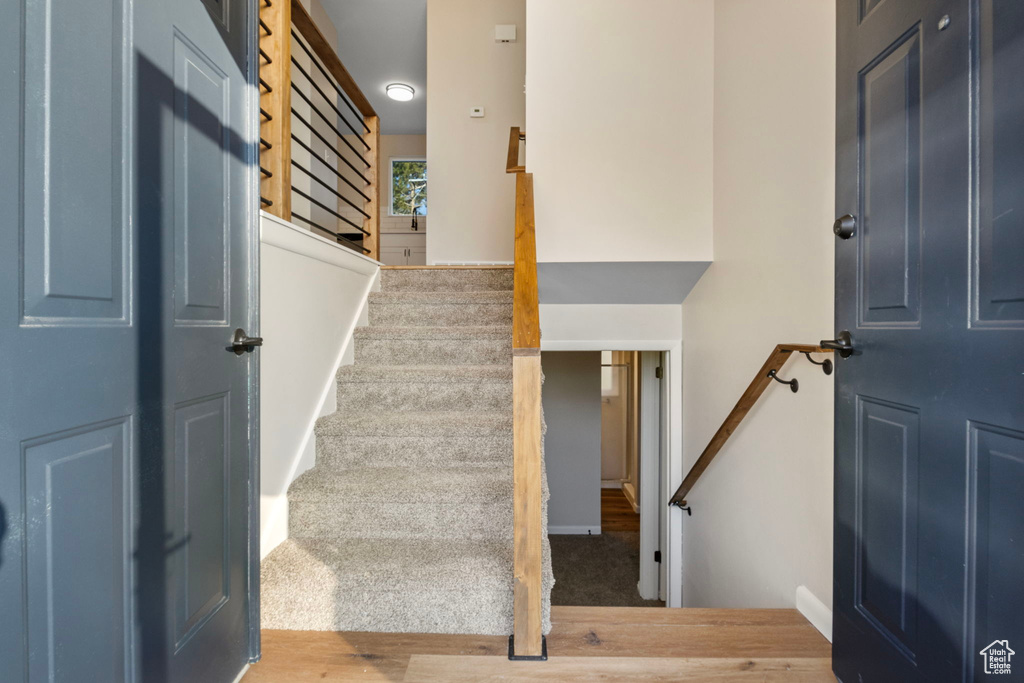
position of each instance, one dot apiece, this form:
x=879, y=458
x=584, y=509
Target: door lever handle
x=843, y=344
x=242, y=342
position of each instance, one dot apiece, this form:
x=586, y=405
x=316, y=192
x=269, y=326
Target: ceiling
x=381, y=42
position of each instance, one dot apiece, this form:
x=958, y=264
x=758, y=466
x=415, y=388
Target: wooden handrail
x=528, y=640
x=280, y=17
x=776, y=360
x=512, y=165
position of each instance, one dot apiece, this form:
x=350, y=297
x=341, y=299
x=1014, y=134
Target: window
x=409, y=187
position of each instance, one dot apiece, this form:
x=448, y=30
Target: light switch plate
x=476, y=112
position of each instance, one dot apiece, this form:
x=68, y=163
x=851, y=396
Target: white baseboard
x=245, y=670
x=629, y=491
x=611, y=483
x=574, y=530
x=815, y=611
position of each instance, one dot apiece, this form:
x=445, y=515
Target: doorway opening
x=604, y=454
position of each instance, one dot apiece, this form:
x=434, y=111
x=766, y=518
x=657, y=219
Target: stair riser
x=421, y=396
x=484, y=280
x=343, y=452
x=440, y=315
x=485, y=612
x=433, y=351
x=341, y=519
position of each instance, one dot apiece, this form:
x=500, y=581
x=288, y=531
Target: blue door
x=929, y=461
x=126, y=265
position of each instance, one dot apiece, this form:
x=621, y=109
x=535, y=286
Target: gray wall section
x=572, y=444
x=623, y=282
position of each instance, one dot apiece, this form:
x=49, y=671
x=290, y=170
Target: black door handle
x=843, y=344
x=242, y=342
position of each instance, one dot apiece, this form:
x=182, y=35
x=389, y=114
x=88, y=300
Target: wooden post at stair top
x=371, y=223
x=526, y=439
x=526, y=502
x=278, y=103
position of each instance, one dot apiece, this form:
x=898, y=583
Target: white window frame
x=391, y=184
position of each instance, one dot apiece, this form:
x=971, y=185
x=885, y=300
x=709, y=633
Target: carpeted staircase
x=405, y=522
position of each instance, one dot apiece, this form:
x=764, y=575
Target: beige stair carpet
x=405, y=523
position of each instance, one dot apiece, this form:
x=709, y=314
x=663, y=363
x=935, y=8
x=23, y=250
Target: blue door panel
x=126, y=166
x=929, y=423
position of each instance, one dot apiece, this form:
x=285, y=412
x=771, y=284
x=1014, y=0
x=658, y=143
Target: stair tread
x=389, y=585
x=425, y=373
x=496, y=296
x=455, y=485
x=369, y=562
x=415, y=423
x=500, y=332
x=447, y=280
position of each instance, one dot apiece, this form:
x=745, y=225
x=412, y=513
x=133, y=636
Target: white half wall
x=762, y=512
x=312, y=295
x=472, y=199
x=572, y=442
x=618, y=121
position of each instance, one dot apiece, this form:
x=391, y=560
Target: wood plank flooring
x=586, y=644
x=616, y=512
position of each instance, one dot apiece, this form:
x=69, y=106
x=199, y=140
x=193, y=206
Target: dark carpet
x=598, y=570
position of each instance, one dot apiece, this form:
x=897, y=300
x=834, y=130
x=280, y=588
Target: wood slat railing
x=762, y=379
x=528, y=639
x=281, y=22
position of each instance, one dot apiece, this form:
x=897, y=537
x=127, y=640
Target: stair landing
x=585, y=644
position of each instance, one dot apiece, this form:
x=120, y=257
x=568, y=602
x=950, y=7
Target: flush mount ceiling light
x=400, y=92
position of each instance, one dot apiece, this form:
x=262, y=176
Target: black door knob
x=845, y=227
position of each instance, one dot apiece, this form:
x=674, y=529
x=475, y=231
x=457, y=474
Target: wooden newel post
x=528, y=601
x=371, y=223
x=276, y=105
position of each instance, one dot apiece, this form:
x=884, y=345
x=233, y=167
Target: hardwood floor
x=586, y=644
x=616, y=512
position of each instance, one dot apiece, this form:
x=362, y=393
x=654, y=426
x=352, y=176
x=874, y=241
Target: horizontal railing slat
x=309, y=30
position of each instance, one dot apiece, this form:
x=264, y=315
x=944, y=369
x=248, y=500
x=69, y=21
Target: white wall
x=762, y=521
x=472, y=199
x=618, y=120
x=572, y=442
x=312, y=294
x=603, y=327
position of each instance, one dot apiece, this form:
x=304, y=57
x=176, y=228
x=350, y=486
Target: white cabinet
x=403, y=256
x=403, y=249
x=394, y=256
